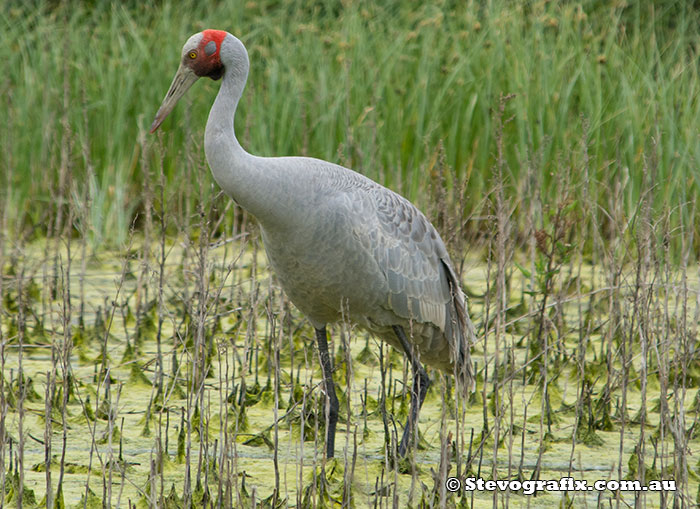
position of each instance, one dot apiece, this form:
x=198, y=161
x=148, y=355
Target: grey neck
x=219, y=133
x=237, y=172
x=270, y=188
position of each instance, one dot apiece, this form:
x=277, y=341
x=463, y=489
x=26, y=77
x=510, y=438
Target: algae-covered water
x=180, y=374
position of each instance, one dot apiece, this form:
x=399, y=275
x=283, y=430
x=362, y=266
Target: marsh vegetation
x=149, y=357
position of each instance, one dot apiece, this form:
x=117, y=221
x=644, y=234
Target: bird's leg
x=331, y=407
x=421, y=382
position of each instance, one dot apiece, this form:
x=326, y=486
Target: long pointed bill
x=183, y=80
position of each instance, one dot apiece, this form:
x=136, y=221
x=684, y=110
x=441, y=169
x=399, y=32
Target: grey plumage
x=338, y=241
x=375, y=252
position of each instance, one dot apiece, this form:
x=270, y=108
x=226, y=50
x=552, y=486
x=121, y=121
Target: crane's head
x=201, y=56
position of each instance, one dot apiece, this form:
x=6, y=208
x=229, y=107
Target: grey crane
x=340, y=244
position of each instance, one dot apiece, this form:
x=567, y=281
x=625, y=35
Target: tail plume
x=461, y=335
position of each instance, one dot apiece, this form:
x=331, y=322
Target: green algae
x=128, y=406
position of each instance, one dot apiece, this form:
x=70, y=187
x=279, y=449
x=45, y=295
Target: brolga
x=342, y=246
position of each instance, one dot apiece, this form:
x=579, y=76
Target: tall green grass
x=375, y=87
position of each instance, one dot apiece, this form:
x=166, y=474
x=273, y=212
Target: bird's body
x=378, y=272
x=341, y=245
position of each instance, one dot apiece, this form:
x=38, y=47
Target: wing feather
x=420, y=283
x=409, y=252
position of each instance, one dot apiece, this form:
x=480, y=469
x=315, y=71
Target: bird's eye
x=193, y=55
